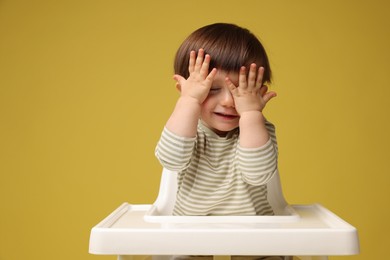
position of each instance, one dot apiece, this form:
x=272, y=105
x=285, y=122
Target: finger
x=260, y=74
x=230, y=85
x=191, y=65
x=252, y=76
x=210, y=78
x=263, y=90
x=242, y=83
x=199, y=60
x=268, y=96
x=204, y=70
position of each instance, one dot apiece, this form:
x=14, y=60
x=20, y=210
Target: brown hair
x=229, y=46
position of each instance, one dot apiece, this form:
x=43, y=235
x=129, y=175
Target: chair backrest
x=168, y=188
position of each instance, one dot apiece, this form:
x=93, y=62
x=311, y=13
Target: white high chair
x=168, y=188
x=304, y=231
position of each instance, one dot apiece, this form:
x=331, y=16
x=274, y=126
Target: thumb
x=268, y=96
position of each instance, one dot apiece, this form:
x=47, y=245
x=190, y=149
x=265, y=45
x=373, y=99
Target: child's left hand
x=251, y=94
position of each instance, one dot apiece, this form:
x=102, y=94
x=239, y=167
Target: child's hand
x=251, y=94
x=198, y=84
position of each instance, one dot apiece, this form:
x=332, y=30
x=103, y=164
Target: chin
x=224, y=129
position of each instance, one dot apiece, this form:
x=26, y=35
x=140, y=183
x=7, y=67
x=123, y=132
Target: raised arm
x=193, y=91
x=257, y=151
x=250, y=98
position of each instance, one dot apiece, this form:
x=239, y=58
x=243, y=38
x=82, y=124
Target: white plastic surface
x=317, y=232
x=303, y=230
x=154, y=216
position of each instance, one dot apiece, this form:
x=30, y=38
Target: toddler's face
x=218, y=111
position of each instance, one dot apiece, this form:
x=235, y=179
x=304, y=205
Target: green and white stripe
x=216, y=176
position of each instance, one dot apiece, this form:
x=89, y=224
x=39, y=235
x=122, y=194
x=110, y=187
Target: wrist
x=248, y=108
x=189, y=100
x=251, y=118
x=184, y=118
x=252, y=114
x=253, y=132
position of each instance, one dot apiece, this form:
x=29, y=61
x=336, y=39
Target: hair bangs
x=229, y=46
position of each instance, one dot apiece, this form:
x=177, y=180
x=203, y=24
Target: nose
x=226, y=98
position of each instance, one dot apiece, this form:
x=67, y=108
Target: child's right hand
x=198, y=84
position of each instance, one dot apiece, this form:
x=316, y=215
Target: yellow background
x=86, y=87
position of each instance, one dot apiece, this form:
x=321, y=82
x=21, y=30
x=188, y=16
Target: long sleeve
x=174, y=152
x=215, y=175
x=258, y=165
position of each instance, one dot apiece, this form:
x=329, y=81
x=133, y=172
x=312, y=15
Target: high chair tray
x=153, y=215
x=317, y=231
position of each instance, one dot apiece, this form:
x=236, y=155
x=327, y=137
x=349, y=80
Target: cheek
x=207, y=103
x=207, y=107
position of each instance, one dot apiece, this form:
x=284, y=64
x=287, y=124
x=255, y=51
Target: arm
x=250, y=98
x=258, y=165
x=193, y=91
x=174, y=149
x=174, y=152
x=257, y=150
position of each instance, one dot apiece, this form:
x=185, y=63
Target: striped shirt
x=216, y=176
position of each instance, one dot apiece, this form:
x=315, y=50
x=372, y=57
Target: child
x=217, y=137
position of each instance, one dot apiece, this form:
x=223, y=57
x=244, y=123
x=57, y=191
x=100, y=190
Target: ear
x=178, y=87
x=178, y=79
